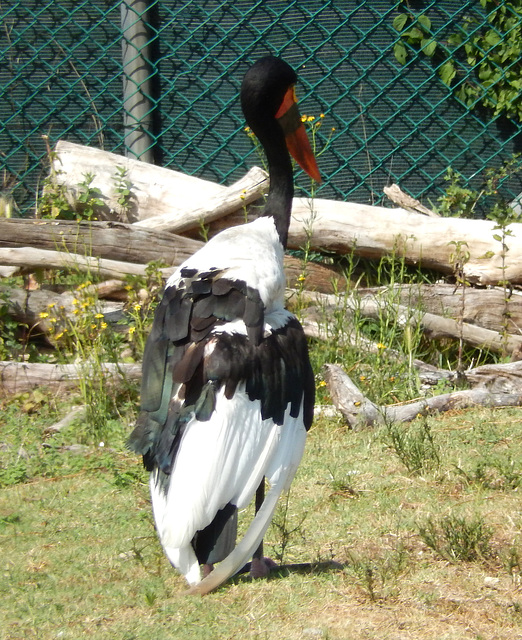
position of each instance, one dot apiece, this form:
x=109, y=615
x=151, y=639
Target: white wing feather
x=220, y=461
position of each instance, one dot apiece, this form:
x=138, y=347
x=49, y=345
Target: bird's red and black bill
x=297, y=141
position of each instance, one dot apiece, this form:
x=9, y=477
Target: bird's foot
x=261, y=567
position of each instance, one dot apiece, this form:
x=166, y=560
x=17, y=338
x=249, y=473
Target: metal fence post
x=137, y=104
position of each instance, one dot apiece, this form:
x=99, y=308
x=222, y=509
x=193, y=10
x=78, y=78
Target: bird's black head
x=270, y=109
x=263, y=89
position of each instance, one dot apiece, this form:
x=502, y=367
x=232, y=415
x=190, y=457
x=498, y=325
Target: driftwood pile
x=162, y=220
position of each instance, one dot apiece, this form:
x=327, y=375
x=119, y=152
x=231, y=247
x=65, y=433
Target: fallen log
x=359, y=412
x=155, y=192
x=235, y=198
x=109, y=240
x=341, y=227
x=434, y=326
x=30, y=259
x=8, y=272
x=405, y=201
x=74, y=414
x=17, y=377
x=32, y=308
x=318, y=277
x=497, y=378
x=373, y=232
x=487, y=308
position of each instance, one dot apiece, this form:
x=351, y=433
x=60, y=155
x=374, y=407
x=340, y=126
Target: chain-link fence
x=160, y=80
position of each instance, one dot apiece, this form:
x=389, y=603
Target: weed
x=456, y=538
x=88, y=199
x=13, y=518
x=142, y=299
x=460, y=201
x=414, y=445
x=122, y=186
x=287, y=527
x=495, y=472
x=56, y=203
x=11, y=347
x=150, y=597
x=53, y=202
x=85, y=336
x=342, y=487
x=512, y=561
x=377, y=573
x=458, y=259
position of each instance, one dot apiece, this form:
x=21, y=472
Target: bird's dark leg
x=260, y=498
x=260, y=566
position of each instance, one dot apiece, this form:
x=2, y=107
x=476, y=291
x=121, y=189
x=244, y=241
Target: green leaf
x=447, y=72
x=425, y=22
x=492, y=38
x=399, y=22
x=484, y=72
x=497, y=237
x=414, y=35
x=400, y=53
x=455, y=39
x=429, y=47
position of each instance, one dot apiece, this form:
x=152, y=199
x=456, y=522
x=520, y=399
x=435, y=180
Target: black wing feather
x=181, y=377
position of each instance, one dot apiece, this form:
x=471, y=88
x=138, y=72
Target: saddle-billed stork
x=228, y=391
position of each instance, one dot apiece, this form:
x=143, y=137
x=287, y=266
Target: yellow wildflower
x=103, y=325
x=51, y=305
x=304, y=118
x=43, y=314
x=132, y=330
x=137, y=307
x=99, y=315
x=322, y=383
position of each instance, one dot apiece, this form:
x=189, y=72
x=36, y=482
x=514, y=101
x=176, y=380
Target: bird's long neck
x=281, y=192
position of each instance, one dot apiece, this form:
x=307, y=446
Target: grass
x=80, y=555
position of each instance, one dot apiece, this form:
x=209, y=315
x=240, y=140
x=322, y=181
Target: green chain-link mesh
x=62, y=75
